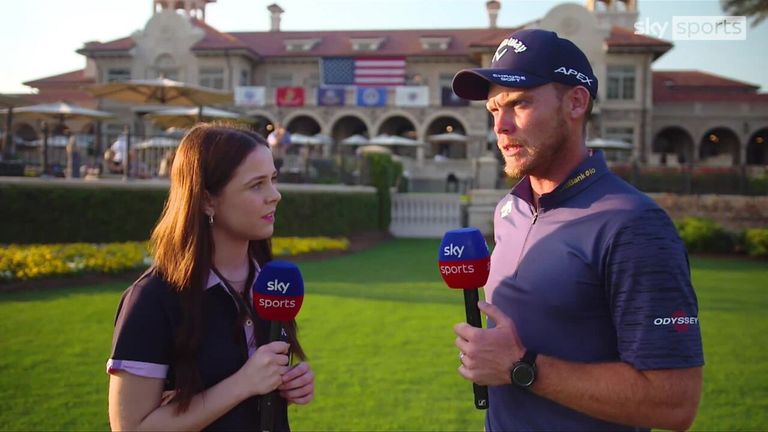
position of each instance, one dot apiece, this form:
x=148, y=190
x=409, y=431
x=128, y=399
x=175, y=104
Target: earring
x=210, y=219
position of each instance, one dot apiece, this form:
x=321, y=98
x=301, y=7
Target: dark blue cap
x=526, y=59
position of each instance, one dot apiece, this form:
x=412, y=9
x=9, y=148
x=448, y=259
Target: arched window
x=165, y=67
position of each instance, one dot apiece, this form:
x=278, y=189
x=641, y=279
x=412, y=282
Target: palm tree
x=757, y=9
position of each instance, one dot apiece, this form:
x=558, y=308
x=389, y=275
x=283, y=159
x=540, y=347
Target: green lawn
x=377, y=326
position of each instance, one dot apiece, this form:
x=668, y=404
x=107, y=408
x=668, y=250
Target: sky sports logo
x=679, y=320
x=695, y=28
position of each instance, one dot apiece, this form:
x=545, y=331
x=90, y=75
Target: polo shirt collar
x=588, y=171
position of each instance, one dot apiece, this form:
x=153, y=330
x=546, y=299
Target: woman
x=187, y=351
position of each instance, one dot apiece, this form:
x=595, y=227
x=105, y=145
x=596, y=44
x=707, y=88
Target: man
x=592, y=317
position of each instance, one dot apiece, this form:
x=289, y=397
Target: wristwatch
x=524, y=370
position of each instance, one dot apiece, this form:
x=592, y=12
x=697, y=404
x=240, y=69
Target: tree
x=757, y=9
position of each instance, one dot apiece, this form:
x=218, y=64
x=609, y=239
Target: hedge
x=58, y=214
x=706, y=235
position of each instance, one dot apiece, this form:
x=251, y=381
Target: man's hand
x=488, y=354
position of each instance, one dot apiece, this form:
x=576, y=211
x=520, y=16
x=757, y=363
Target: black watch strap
x=529, y=357
x=523, y=373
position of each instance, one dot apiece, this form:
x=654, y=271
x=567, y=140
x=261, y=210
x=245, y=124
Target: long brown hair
x=182, y=241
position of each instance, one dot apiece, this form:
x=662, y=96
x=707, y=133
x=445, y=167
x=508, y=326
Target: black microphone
x=277, y=298
x=464, y=263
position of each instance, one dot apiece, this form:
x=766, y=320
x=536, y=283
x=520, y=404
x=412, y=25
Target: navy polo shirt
x=597, y=274
x=147, y=321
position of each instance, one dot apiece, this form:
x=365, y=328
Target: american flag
x=362, y=71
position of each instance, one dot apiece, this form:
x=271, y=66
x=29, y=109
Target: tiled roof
x=122, y=44
x=396, y=42
x=697, y=86
x=625, y=37
x=338, y=42
x=216, y=40
x=74, y=77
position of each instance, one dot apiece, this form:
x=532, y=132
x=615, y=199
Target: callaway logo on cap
x=527, y=59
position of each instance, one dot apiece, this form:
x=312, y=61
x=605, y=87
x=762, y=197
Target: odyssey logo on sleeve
x=679, y=320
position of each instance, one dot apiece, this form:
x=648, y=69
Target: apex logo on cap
x=579, y=76
x=516, y=44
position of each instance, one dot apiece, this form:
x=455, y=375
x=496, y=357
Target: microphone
x=464, y=263
x=277, y=298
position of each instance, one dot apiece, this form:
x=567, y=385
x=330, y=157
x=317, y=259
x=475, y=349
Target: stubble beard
x=538, y=155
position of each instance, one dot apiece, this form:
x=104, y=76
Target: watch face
x=523, y=374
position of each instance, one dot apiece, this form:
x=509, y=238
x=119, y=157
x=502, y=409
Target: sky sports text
x=268, y=303
x=696, y=28
x=276, y=285
x=457, y=269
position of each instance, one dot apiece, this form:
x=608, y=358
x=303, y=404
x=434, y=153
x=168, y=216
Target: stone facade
x=177, y=43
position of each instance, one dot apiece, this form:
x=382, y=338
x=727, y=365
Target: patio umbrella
x=159, y=91
x=317, y=139
x=185, y=117
x=450, y=137
x=373, y=148
x=612, y=144
x=60, y=111
x=356, y=139
x=394, y=140
x=10, y=102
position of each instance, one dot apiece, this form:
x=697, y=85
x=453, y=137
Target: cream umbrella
x=60, y=111
x=159, y=91
x=449, y=137
x=188, y=116
x=10, y=102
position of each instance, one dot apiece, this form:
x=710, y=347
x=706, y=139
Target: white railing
x=420, y=215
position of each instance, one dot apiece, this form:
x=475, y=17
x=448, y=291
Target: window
x=165, y=67
x=212, y=78
x=621, y=82
x=446, y=79
x=245, y=77
x=367, y=44
x=435, y=43
x=118, y=74
x=313, y=80
x=280, y=80
x=300, y=44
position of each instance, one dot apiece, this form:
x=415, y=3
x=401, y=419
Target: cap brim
x=473, y=84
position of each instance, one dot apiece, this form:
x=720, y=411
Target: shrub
x=383, y=173
x=25, y=262
x=756, y=242
x=50, y=213
x=704, y=235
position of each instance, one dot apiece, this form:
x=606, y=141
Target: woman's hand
x=298, y=385
x=263, y=371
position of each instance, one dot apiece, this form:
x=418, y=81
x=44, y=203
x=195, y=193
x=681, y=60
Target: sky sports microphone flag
x=279, y=291
x=277, y=298
x=464, y=263
x=464, y=259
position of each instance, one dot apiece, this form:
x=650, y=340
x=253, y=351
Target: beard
x=540, y=153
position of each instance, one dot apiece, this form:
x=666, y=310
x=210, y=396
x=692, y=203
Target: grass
x=377, y=326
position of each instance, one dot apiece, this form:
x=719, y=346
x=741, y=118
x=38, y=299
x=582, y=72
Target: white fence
x=424, y=215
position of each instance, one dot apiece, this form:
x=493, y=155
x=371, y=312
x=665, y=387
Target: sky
x=38, y=38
